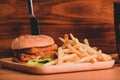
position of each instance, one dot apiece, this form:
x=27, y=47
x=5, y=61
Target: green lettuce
x=39, y=62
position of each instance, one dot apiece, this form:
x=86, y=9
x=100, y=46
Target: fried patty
x=37, y=50
x=35, y=53
x=27, y=57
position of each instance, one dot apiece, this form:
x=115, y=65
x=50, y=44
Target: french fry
x=69, y=57
x=87, y=58
x=60, y=55
x=66, y=37
x=74, y=50
x=72, y=37
x=64, y=58
x=86, y=41
x=63, y=40
x=95, y=48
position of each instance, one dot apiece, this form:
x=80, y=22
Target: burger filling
x=24, y=55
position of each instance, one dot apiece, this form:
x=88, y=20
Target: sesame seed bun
x=28, y=41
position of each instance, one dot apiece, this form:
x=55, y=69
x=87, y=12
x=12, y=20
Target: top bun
x=28, y=41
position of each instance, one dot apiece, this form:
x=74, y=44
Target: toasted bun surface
x=28, y=41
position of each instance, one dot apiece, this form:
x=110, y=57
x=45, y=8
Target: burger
x=33, y=47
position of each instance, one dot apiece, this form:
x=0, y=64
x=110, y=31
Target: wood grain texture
x=59, y=11
x=92, y=19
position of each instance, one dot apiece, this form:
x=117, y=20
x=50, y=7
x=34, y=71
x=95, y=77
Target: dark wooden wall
x=92, y=19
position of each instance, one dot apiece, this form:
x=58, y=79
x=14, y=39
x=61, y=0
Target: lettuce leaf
x=39, y=62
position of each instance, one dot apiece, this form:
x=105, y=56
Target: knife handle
x=34, y=24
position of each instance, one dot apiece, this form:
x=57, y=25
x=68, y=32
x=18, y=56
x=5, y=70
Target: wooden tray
x=7, y=63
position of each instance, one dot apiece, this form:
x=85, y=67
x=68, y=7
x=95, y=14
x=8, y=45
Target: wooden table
x=108, y=74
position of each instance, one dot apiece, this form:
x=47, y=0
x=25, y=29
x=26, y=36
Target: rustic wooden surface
x=92, y=19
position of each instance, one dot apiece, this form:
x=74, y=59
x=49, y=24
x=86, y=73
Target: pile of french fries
x=73, y=51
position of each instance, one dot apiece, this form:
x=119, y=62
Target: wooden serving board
x=69, y=67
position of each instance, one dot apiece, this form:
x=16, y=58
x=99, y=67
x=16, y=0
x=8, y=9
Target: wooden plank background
x=92, y=19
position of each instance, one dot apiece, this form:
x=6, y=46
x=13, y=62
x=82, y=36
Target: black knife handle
x=34, y=26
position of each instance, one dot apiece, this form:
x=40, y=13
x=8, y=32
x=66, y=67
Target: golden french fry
x=63, y=40
x=66, y=37
x=60, y=55
x=72, y=37
x=70, y=57
x=74, y=50
x=67, y=57
x=87, y=58
x=86, y=41
x=51, y=63
x=95, y=48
